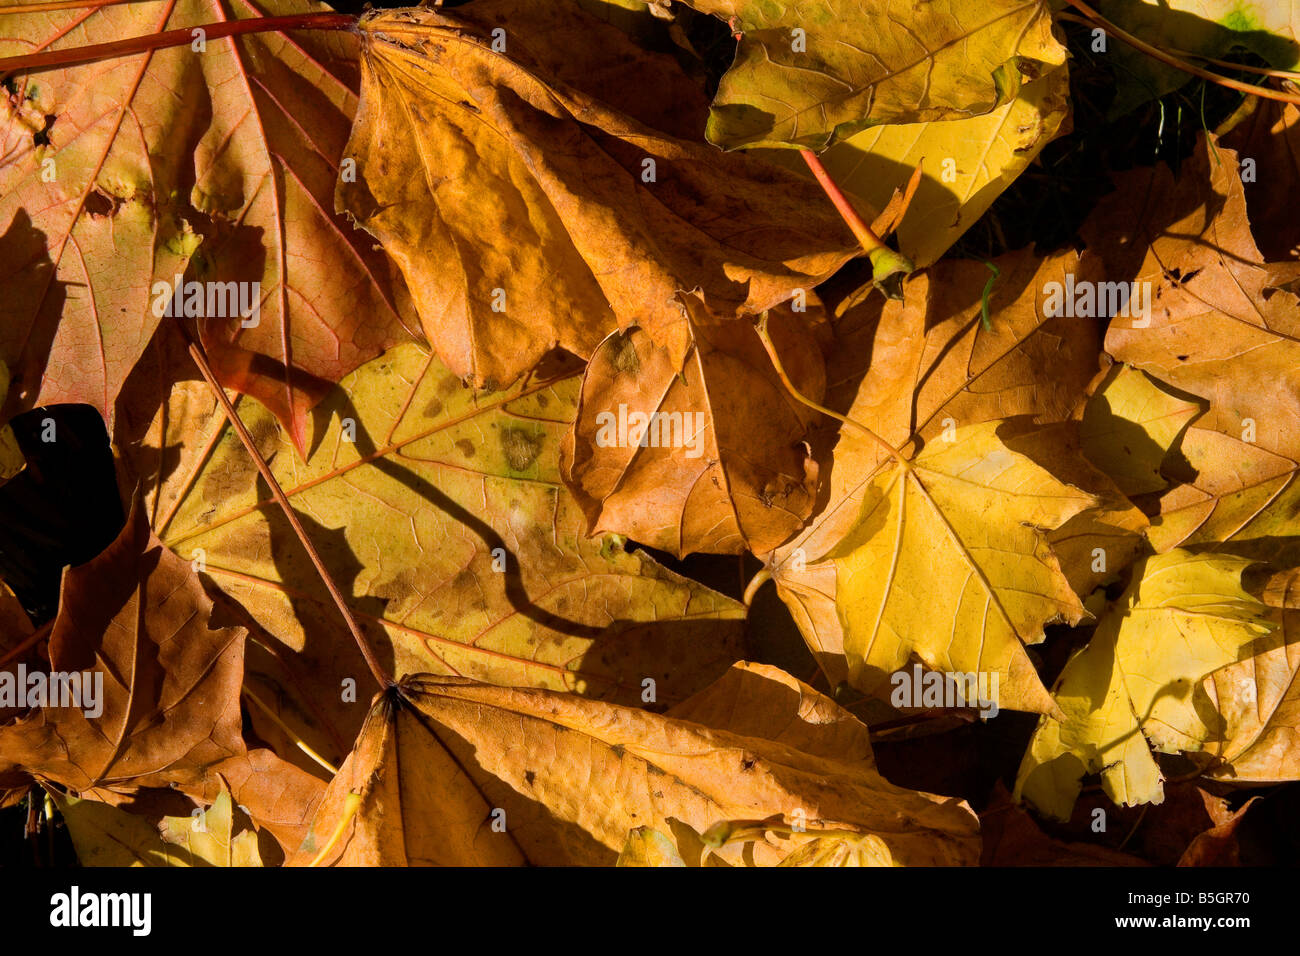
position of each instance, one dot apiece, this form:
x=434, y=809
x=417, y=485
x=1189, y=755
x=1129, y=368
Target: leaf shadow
x=674, y=679
x=28, y=272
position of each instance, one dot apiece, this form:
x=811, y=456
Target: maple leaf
x=103, y=628
x=441, y=513
x=676, y=459
x=1237, y=466
x=969, y=513
x=105, y=835
x=587, y=164
x=217, y=167
x=1134, y=686
x=476, y=747
x=806, y=76
x=932, y=367
x=164, y=709
x=966, y=164
x=1258, y=700
x=1202, y=295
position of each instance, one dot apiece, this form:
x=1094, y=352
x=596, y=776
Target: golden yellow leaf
x=208, y=837
x=1135, y=686
x=931, y=371
x=441, y=514
x=808, y=74
x=948, y=560
x=966, y=163
x=106, y=835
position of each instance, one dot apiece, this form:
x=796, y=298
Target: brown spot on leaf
x=521, y=449
x=625, y=358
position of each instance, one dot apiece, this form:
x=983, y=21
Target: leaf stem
x=869, y=240
x=756, y=582
x=351, y=804
x=885, y=262
x=184, y=36
x=1169, y=59
x=372, y=660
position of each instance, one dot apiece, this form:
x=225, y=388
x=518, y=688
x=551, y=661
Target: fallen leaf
x=441, y=515
x=1242, y=498
x=165, y=163
x=105, y=835
x=135, y=619
x=1259, y=700
x=748, y=700
x=1012, y=838
x=1204, y=296
x=209, y=838
x=588, y=166
x=968, y=515
x=1095, y=545
x=1218, y=845
x=134, y=624
x=1134, y=687
x=1268, y=144
x=966, y=163
x=807, y=76
x=933, y=375
x=1232, y=493
x=675, y=458
x=469, y=751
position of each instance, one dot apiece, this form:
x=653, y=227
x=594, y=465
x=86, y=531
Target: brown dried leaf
x=136, y=618
x=1213, y=300
x=450, y=771
x=709, y=457
x=552, y=199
